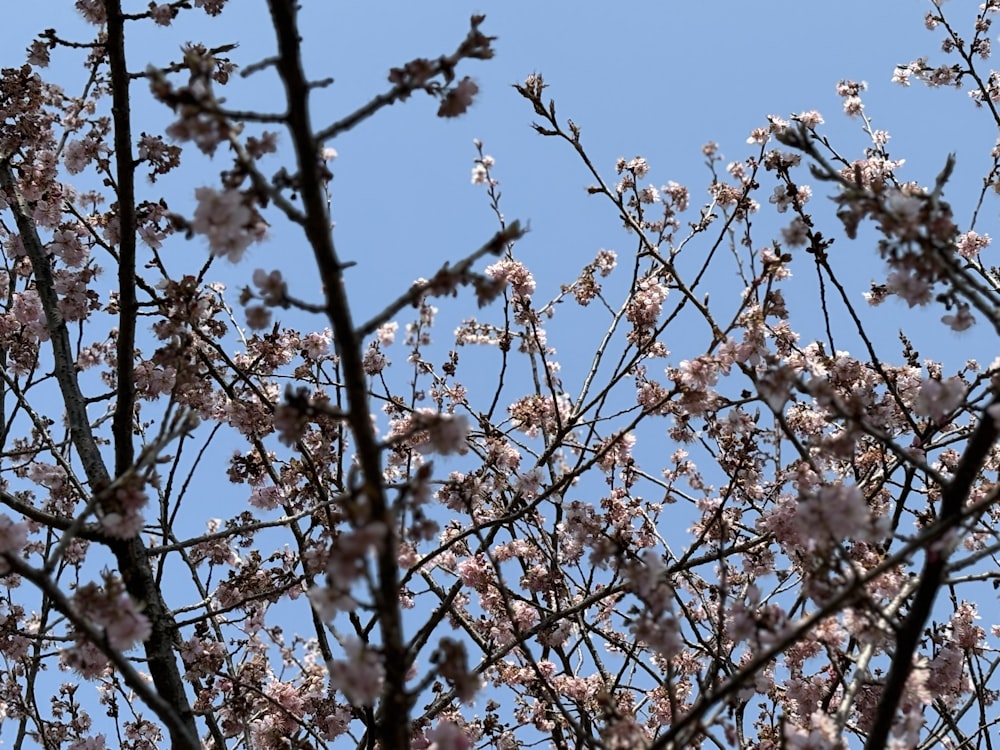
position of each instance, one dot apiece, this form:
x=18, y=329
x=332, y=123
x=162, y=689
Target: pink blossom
x=758, y=136
x=901, y=75
x=915, y=290
x=638, y=166
x=446, y=433
x=13, y=538
x=211, y=7
x=66, y=244
x=905, y=207
x=552, y=553
x=374, y=361
x=123, y=518
x=646, y=303
x=97, y=742
x=38, y=54
x=616, y=451
x=961, y=320
x=258, y=317
x=386, y=333
x=87, y=659
x=267, y=498
x=795, y=234
x=937, y=399
x=476, y=573
x=676, y=194
x=76, y=156
x=605, y=261
x=810, y=119
x=225, y=220
x=271, y=286
x=92, y=10
x=850, y=88
x=853, y=106
x=112, y=609
x=970, y=244
x=360, y=676
x=514, y=273
x=447, y=735
x=649, y=194
x=480, y=172
x=125, y=625
x=328, y=601
x=819, y=733
x=316, y=345
x=837, y=511
x=162, y=13
x=27, y=310
x=348, y=557
x=782, y=199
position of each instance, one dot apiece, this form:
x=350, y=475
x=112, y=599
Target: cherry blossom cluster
x=729, y=524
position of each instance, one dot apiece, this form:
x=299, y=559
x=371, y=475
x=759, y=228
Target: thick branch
x=395, y=733
x=953, y=499
x=127, y=306
x=62, y=350
x=130, y=554
x=183, y=736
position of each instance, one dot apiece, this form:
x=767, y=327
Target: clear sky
x=656, y=79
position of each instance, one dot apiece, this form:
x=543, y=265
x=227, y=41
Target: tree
x=799, y=566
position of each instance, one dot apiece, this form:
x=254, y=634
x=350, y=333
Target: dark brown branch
x=125, y=176
x=393, y=734
x=62, y=351
x=130, y=554
x=475, y=46
x=953, y=499
x=182, y=735
x=494, y=246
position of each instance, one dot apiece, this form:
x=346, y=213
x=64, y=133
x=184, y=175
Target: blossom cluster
x=569, y=533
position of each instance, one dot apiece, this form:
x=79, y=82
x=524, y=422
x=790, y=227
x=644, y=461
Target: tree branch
x=183, y=735
x=125, y=178
x=393, y=734
x=130, y=554
x=953, y=499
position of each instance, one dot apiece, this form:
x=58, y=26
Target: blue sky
x=650, y=79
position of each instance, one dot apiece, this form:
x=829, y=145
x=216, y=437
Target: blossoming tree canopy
x=694, y=492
